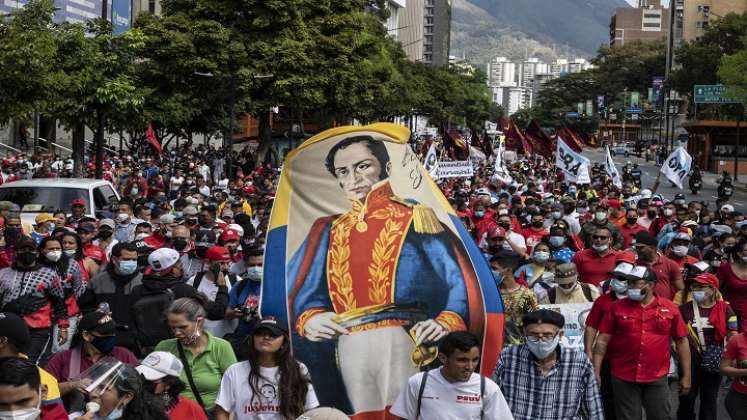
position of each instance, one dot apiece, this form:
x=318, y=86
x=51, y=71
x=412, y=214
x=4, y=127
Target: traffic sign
x=633, y=110
x=711, y=94
x=571, y=114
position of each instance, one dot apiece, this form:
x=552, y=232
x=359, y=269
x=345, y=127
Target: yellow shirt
x=53, y=388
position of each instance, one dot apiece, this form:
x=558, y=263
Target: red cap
x=496, y=232
x=218, y=254
x=230, y=235
x=708, y=279
x=615, y=204
x=78, y=202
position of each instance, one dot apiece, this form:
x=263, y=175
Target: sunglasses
x=599, y=237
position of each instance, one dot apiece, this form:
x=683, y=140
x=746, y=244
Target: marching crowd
x=161, y=291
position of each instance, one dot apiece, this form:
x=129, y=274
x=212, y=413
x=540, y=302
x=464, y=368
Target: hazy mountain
x=483, y=29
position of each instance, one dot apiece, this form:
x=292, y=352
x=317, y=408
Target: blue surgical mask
x=498, y=276
x=618, y=286
x=542, y=349
x=541, y=256
x=479, y=213
x=557, y=241
x=127, y=267
x=699, y=296
x=254, y=273
x=556, y=215
x=636, y=294
x=115, y=414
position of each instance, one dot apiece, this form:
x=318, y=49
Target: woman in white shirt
x=270, y=384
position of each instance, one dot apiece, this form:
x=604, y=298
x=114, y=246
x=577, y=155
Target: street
x=650, y=171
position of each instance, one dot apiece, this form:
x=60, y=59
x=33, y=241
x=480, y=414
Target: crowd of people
x=161, y=291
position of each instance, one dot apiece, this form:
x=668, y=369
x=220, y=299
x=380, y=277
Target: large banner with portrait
x=371, y=267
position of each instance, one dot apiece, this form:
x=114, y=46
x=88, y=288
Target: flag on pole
x=430, y=163
x=677, y=166
x=500, y=171
x=612, y=170
x=574, y=166
x=152, y=139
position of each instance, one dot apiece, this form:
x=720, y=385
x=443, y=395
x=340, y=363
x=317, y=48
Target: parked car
x=46, y=195
x=620, y=149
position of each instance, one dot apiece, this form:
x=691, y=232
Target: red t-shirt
x=187, y=409
x=600, y=307
x=736, y=349
x=667, y=274
x=734, y=290
x=533, y=237
x=629, y=233
x=641, y=336
x=593, y=268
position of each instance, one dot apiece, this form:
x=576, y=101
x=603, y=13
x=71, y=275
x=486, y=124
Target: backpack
x=552, y=293
x=149, y=319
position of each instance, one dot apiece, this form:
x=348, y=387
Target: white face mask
x=69, y=252
x=568, y=291
x=25, y=413
x=53, y=256
x=679, y=250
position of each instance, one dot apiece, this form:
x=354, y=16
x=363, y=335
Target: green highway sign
x=711, y=94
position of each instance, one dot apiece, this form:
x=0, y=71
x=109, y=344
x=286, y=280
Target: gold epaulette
x=424, y=219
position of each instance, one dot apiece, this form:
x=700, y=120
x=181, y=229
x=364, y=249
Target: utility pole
x=736, y=151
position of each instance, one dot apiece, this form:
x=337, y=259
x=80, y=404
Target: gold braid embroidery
x=379, y=269
x=339, y=266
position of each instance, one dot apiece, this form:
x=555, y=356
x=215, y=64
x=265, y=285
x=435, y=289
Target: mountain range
x=547, y=29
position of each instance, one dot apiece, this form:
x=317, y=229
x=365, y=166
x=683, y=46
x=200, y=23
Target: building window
x=428, y=39
x=651, y=25
x=429, y=21
x=651, y=16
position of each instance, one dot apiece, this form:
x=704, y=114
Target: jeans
x=705, y=384
x=632, y=398
x=736, y=404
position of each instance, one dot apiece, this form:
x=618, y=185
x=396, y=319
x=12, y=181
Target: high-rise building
x=412, y=29
x=647, y=22
x=692, y=17
x=425, y=28
x=74, y=11
x=146, y=6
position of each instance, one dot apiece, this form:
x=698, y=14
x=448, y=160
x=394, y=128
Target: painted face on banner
x=357, y=169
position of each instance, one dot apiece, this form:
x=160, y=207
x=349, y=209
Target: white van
x=45, y=195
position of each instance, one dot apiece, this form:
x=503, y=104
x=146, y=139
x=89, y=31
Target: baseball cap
x=566, y=273
x=78, y=202
x=14, y=328
x=99, y=322
x=496, y=232
x=229, y=235
x=645, y=238
x=166, y=219
x=43, y=218
x=273, y=325
x=218, y=254
x=682, y=236
x=239, y=230
x=622, y=270
x=642, y=273
x=646, y=193
x=205, y=238
x=160, y=364
x=107, y=222
x=707, y=279
x=86, y=227
x=163, y=258
x=190, y=211
x=727, y=208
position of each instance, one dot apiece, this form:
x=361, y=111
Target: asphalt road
x=651, y=170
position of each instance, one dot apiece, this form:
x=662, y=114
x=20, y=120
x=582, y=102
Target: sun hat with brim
x=160, y=364
x=566, y=273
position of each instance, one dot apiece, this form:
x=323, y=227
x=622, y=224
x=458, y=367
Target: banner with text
x=677, y=166
x=612, y=170
x=575, y=322
x=455, y=169
x=574, y=166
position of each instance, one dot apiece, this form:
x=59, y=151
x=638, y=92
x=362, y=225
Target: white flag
x=677, y=166
x=574, y=166
x=500, y=171
x=612, y=170
x=430, y=163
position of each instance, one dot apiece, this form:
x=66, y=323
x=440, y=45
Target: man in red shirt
x=594, y=264
x=534, y=233
x=630, y=228
x=638, y=332
x=668, y=273
x=678, y=249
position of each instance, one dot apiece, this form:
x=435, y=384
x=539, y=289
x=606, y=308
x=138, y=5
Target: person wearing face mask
x=72, y=248
x=94, y=340
x=595, y=262
x=181, y=241
x=668, y=273
x=541, y=261
x=161, y=371
x=618, y=289
x=678, y=250
x=43, y=226
x=560, y=244
x=569, y=289
x=523, y=373
x=186, y=317
x=732, y=275
x=601, y=221
x=570, y=215
x=666, y=217
x=535, y=232
x=87, y=232
x=484, y=219
x=711, y=323
x=243, y=299
x=162, y=284
x=22, y=392
x=231, y=238
x=216, y=280
x=34, y=292
x=631, y=227
x=114, y=284
x=105, y=239
x=515, y=242
x=78, y=209
x=636, y=335
x=517, y=299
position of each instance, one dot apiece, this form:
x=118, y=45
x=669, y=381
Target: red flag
x=517, y=140
x=571, y=138
x=542, y=143
x=152, y=139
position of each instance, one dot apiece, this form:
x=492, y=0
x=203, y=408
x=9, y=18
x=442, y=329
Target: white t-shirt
x=443, y=400
x=235, y=394
x=221, y=327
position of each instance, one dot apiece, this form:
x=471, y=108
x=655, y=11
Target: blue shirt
x=245, y=293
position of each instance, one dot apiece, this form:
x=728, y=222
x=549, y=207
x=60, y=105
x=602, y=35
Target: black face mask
x=200, y=251
x=12, y=233
x=105, y=234
x=632, y=220
x=537, y=224
x=179, y=243
x=505, y=226
x=26, y=258
x=651, y=214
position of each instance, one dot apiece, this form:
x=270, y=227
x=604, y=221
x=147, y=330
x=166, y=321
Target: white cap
x=163, y=258
x=483, y=191
x=160, y=364
x=237, y=228
x=727, y=208
x=646, y=193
